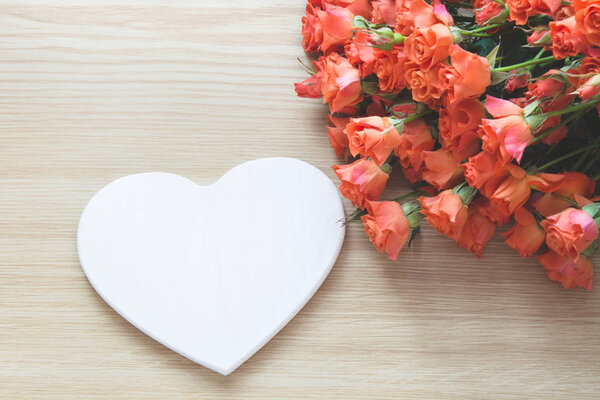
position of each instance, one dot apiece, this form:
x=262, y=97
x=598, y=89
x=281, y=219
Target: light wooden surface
x=94, y=90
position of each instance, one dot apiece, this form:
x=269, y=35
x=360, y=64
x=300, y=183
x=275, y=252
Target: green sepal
x=590, y=249
x=593, y=210
x=369, y=87
x=491, y=57
x=355, y=215
x=361, y=22
x=466, y=192
x=413, y=234
x=531, y=107
x=499, y=77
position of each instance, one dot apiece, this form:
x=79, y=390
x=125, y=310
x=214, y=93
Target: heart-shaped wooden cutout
x=213, y=272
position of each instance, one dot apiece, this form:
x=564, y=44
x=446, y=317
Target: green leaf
x=491, y=57
x=413, y=234
x=369, y=87
x=499, y=77
x=590, y=249
x=593, y=210
x=535, y=121
x=531, y=107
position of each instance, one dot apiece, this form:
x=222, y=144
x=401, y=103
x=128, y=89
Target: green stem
x=481, y=29
x=585, y=156
x=459, y=5
x=578, y=107
x=589, y=165
x=417, y=116
x=551, y=149
x=408, y=196
x=397, y=39
x=596, y=177
x=309, y=69
x=484, y=35
x=567, y=120
x=537, y=57
x=524, y=64
x=355, y=215
x=581, y=159
x=566, y=156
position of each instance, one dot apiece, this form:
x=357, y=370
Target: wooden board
x=94, y=90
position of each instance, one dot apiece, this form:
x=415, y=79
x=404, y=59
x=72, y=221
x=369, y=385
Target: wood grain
x=94, y=90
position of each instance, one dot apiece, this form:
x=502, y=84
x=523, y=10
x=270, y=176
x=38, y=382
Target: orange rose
x=384, y=11
x=428, y=46
x=415, y=139
x=340, y=83
x=389, y=68
x=570, y=232
x=508, y=134
x=441, y=13
x=337, y=137
x=549, y=204
x=458, y=126
x=442, y=169
x=557, y=103
x=373, y=137
x=465, y=115
x=485, y=208
x=337, y=24
x=447, y=75
x=563, y=12
x=312, y=30
x=526, y=235
x=361, y=181
x=435, y=88
x=570, y=273
x=547, y=7
x=566, y=41
x=387, y=226
x=311, y=87
x=476, y=233
x=444, y=126
x=473, y=71
x=545, y=87
x=481, y=173
x=445, y=212
x=517, y=80
x=357, y=7
x=516, y=188
x=413, y=14
x=513, y=192
x=576, y=183
x=589, y=88
x=589, y=65
x=521, y=10
x=486, y=10
x=539, y=37
x=361, y=52
x=417, y=81
x=587, y=16
x=546, y=182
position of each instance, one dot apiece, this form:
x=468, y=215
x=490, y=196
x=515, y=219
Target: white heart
x=213, y=272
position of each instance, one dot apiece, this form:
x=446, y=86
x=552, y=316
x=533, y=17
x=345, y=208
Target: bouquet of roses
x=489, y=108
